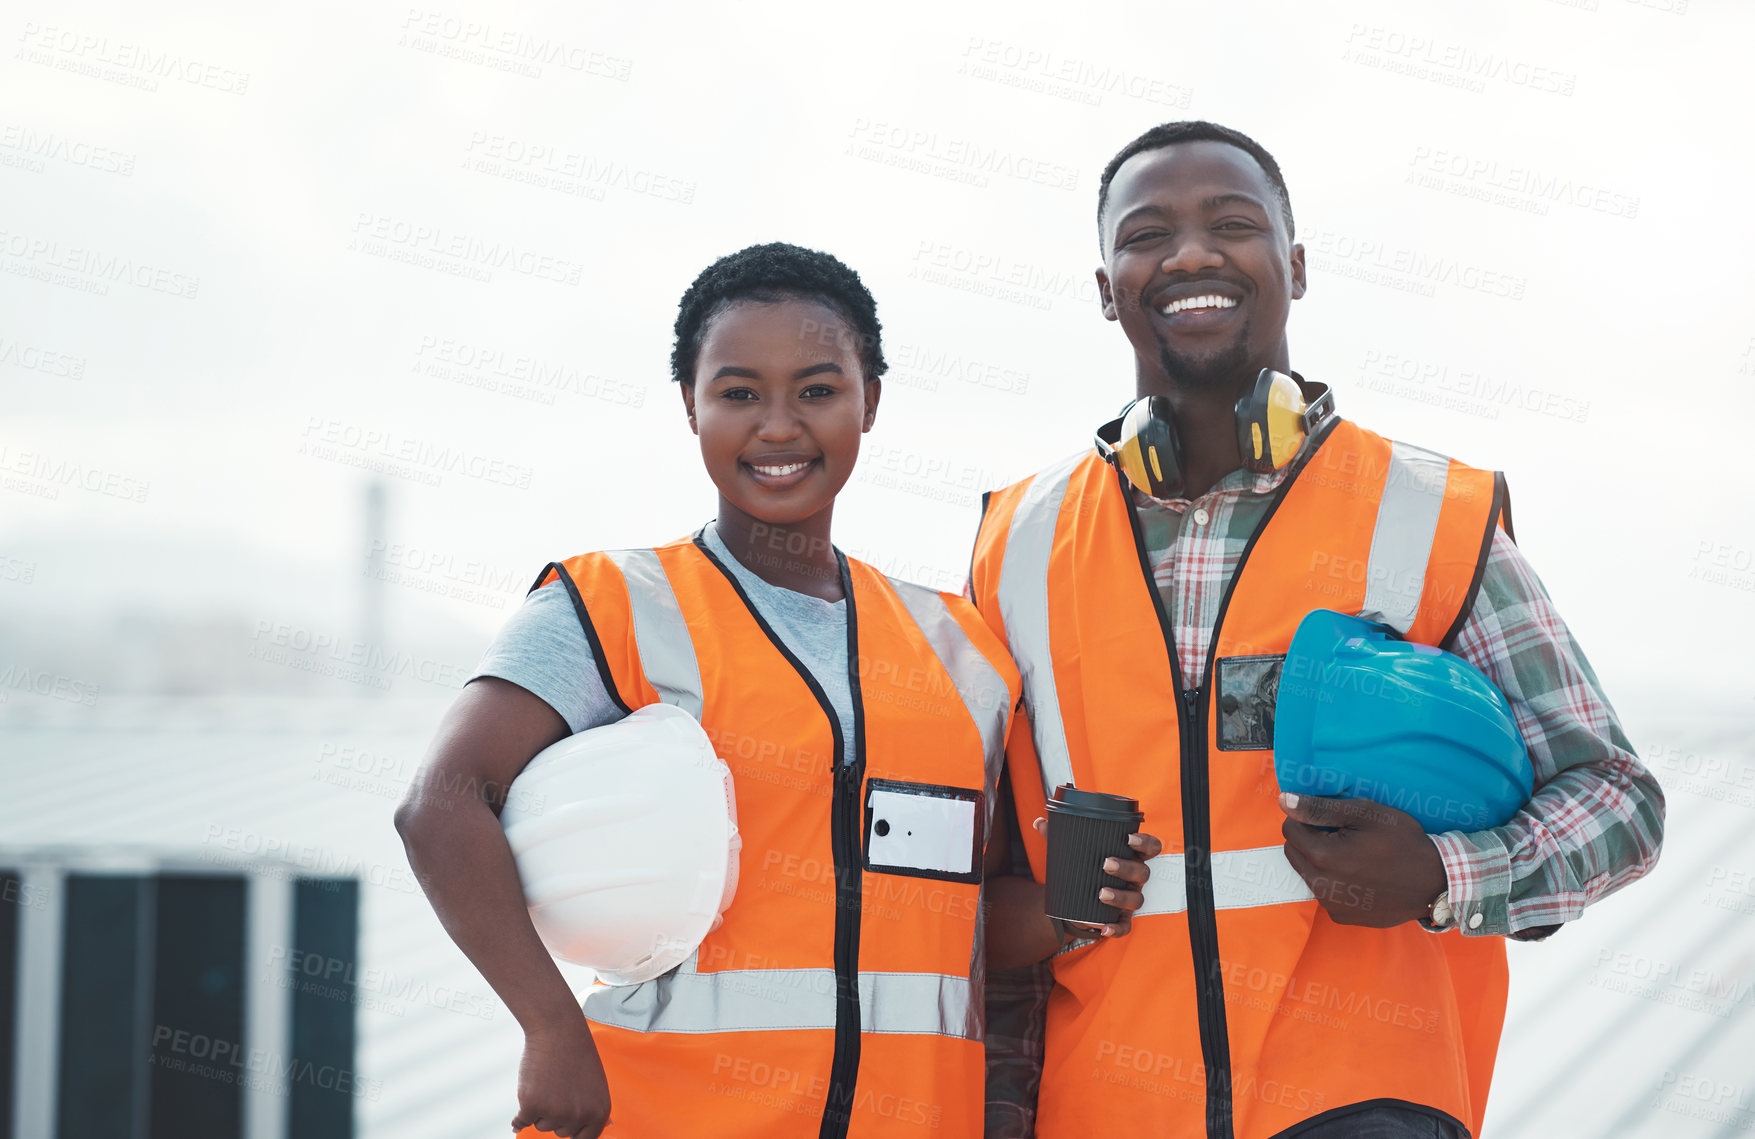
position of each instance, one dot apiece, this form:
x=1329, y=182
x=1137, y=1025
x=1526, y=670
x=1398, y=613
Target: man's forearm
x=1595, y=822
x=1538, y=871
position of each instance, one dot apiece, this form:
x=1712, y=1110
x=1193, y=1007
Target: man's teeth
x=781, y=472
x=1187, y=303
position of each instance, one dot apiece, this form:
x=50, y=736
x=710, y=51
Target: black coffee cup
x=1084, y=828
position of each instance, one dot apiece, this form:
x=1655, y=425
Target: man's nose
x=1190, y=253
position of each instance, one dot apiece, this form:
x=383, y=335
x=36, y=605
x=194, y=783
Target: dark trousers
x=1385, y=1123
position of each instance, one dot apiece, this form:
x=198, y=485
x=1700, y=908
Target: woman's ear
x=688, y=398
x=873, y=390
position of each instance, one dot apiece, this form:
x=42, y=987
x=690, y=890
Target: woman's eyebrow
x=802, y=373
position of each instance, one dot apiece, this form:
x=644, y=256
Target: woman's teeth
x=781, y=472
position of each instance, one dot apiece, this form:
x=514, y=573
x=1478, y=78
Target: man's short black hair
x=769, y=274
x=1193, y=130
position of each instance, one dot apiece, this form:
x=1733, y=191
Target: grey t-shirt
x=542, y=649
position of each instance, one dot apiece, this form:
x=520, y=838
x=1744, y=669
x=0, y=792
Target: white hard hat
x=626, y=842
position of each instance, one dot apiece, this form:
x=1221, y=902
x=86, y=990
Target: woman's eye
x=817, y=391
x=737, y=394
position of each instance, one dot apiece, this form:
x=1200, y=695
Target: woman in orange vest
x=839, y=996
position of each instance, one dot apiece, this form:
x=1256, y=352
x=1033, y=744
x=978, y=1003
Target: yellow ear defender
x=1273, y=420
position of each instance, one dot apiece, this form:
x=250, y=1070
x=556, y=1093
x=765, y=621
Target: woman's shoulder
x=616, y=556
x=927, y=604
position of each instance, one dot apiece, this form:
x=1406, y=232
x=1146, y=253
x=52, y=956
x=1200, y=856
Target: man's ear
x=1298, y=282
x=1105, y=295
x=874, y=390
x=688, y=398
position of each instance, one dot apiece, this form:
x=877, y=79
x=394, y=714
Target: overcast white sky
x=231, y=234
x=245, y=250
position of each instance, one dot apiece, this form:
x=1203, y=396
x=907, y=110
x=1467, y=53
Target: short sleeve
x=543, y=650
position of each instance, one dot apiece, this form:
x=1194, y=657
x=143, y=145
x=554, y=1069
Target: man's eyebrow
x=1218, y=200
x=1146, y=208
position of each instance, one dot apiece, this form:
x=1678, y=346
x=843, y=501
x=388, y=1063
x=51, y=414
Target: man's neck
x=1206, y=418
x=1207, y=423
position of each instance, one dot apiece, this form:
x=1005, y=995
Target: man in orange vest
x=1317, y=967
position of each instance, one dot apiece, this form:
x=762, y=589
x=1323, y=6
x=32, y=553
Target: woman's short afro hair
x=769, y=274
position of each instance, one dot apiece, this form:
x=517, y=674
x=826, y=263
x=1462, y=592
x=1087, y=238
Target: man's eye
x=1143, y=235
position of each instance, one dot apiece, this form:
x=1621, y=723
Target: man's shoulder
x=1406, y=448
x=1054, y=473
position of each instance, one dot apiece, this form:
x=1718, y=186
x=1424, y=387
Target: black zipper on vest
x=1191, y=723
x=1203, y=924
x=844, y=842
x=844, y=837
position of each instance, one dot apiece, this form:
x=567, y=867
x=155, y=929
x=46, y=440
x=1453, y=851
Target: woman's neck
x=793, y=555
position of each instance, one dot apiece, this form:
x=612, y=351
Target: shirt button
x=1201, y=517
x=1475, y=922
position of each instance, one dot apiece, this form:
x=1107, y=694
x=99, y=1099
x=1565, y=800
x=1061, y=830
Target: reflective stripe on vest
x=988, y=701
x=1401, y=543
x=1216, y=983
x=667, y=654
x=750, y=1000
x=1023, y=606
x=757, y=1000
x=1241, y=878
x=980, y=685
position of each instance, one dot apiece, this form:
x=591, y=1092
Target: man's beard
x=1218, y=370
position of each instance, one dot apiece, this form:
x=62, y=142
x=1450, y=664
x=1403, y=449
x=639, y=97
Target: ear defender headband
x=1273, y=420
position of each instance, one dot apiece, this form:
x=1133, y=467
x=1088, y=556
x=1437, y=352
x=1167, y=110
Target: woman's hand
x=1133, y=870
x=561, y=1086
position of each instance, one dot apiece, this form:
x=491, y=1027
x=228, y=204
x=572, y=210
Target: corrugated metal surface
x=223, y=781
x=1639, y=1019
x=1634, y=1021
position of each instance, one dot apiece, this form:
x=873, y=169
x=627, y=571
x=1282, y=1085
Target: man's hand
x=1132, y=870
x=1376, y=867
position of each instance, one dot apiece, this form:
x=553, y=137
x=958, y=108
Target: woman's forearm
x=1019, y=931
x=462, y=861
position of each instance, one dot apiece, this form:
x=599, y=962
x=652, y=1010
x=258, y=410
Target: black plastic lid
x=1095, y=804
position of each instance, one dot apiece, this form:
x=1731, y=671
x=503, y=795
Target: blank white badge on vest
x=923, y=830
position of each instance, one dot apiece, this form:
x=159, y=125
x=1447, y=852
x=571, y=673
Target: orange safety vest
x=1236, y=1007
x=842, y=993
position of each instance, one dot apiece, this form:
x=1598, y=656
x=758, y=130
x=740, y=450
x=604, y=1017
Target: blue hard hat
x=1363, y=714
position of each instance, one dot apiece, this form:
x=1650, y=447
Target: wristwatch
x=1443, y=917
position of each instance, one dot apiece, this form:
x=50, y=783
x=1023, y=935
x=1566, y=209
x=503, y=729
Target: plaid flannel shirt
x=1594, y=824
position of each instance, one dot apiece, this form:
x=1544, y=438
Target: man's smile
x=1197, y=306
